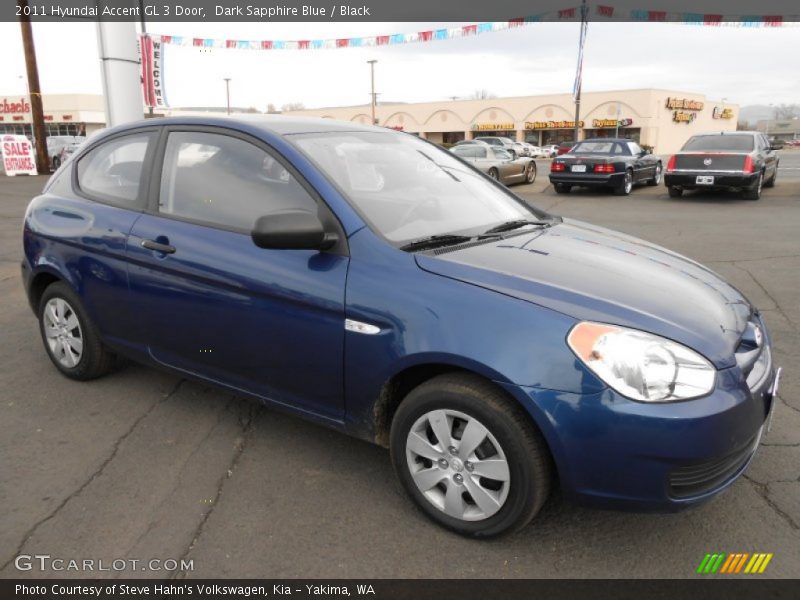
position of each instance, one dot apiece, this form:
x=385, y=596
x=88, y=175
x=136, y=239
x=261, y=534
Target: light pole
x=769, y=116
x=228, y=93
x=372, y=84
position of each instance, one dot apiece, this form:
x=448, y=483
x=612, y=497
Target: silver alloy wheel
x=657, y=178
x=530, y=173
x=63, y=332
x=465, y=477
x=760, y=183
x=628, y=182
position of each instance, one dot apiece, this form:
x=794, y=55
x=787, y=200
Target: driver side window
x=225, y=181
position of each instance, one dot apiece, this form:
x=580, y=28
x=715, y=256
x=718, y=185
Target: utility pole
x=34, y=92
x=576, y=91
x=372, y=94
x=228, y=93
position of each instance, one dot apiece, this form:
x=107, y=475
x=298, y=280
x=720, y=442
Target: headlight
x=640, y=365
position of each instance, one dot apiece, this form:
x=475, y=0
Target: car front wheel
x=69, y=337
x=469, y=457
x=530, y=172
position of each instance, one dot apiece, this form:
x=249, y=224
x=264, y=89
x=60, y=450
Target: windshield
x=714, y=143
x=408, y=189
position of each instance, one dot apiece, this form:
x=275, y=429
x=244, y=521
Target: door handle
x=158, y=247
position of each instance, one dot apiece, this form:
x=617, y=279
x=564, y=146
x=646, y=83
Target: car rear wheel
x=624, y=187
x=69, y=337
x=675, y=192
x=469, y=457
x=754, y=193
x=656, y=176
x=530, y=172
x=771, y=182
x=562, y=188
x=494, y=174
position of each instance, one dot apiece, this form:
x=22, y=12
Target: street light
x=766, y=132
x=228, y=93
x=372, y=93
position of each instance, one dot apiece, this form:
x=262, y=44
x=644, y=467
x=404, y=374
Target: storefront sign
x=611, y=123
x=552, y=124
x=13, y=107
x=18, y=155
x=680, y=116
x=492, y=126
x=684, y=103
x=722, y=113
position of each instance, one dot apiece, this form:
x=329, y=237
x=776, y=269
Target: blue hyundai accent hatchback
x=375, y=283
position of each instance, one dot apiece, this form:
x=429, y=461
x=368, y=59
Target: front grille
x=700, y=478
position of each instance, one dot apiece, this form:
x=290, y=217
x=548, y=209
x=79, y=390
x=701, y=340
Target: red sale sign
x=18, y=155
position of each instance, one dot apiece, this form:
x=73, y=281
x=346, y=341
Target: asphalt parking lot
x=142, y=465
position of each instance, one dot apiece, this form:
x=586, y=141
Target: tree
x=292, y=106
x=271, y=108
x=784, y=112
x=743, y=126
x=481, y=94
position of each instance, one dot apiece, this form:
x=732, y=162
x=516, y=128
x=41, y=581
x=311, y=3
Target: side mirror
x=292, y=229
x=774, y=146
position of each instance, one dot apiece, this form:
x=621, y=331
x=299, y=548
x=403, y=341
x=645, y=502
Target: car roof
x=720, y=133
x=275, y=124
x=607, y=139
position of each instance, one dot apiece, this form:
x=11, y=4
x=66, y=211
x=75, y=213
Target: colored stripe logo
x=737, y=562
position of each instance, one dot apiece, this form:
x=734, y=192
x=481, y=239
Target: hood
x=592, y=273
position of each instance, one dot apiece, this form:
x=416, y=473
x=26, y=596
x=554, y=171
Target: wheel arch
x=40, y=281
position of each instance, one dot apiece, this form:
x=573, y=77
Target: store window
x=451, y=137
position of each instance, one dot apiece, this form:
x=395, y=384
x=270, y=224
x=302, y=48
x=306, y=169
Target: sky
x=743, y=65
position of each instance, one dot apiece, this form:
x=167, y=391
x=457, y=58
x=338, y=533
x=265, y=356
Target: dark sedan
x=739, y=161
x=617, y=163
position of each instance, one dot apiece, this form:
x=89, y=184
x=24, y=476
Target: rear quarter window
x=112, y=171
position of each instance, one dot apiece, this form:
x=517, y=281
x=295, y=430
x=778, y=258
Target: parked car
x=57, y=143
x=534, y=151
x=374, y=283
x=616, y=163
x=550, y=151
x=738, y=161
x=497, y=163
x=503, y=142
x=564, y=147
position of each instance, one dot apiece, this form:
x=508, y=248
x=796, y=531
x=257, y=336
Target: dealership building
x=64, y=114
x=663, y=119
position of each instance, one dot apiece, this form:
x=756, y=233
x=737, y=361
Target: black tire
x=530, y=173
x=674, y=192
x=95, y=360
x=624, y=187
x=494, y=174
x=771, y=182
x=754, y=193
x=529, y=462
x=562, y=188
x=656, y=176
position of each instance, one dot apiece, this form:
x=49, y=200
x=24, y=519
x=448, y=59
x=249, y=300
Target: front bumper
x=688, y=180
x=587, y=179
x=613, y=452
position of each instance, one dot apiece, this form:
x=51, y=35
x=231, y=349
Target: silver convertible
x=497, y=163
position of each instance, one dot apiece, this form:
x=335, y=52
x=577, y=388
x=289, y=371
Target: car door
x=268, y=322
x=91, y=208
x=643, y=163
x=770, y=157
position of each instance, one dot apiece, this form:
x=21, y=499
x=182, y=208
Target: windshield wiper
x=516, y=224
x=435, y=241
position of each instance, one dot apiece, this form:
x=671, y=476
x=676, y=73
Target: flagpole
x=579, y=73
